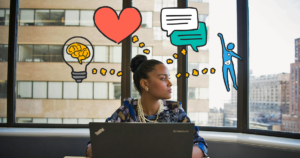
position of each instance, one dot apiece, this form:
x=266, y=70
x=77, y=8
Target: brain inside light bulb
x=79, y=51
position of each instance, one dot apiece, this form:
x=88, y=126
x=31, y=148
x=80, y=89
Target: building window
x=42, y=17
x=100, y=90
x=85, y=90
x=2, y=16
x=26, y=17
x=114, y=90
x=3, y=53
x=86, y=18
x=146, y=20
x=101, y=54
x=25, y=53
x=57, y=17
x=159, y=4
x=202, y=17
x=24, y=89
x=160, y=35
x=3, y=89
x=72, y=18
x=40, y=53
x=40, y=90
x=55, y=53
x=70, y=90
x=55, y=90
x=115, y=55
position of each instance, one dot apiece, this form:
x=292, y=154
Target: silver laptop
x=140, y=140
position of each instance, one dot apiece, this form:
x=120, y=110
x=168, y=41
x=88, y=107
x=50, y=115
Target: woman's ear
x=143, y=83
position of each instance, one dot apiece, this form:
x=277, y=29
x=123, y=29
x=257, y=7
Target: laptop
x=141, y=140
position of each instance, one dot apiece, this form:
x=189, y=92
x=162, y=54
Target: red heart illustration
x=117, y=28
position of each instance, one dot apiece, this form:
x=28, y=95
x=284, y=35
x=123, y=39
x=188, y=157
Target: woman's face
x=159, y=83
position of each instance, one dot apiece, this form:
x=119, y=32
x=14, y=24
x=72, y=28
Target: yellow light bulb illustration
x=79, y=51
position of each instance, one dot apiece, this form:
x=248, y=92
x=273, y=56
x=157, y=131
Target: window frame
x=182, y=83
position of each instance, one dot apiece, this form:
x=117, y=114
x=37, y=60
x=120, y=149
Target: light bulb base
x=79, y=76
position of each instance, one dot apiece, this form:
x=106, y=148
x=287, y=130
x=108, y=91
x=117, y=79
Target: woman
x=151, y=79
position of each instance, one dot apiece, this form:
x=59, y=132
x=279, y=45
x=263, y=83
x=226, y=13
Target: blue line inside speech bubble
x=195, y=38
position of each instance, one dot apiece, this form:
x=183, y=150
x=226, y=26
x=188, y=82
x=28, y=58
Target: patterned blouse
x=173, y=112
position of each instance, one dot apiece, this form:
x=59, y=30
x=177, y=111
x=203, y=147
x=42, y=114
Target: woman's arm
x=198, y=140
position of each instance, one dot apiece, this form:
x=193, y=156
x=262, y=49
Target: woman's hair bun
x=136, y=61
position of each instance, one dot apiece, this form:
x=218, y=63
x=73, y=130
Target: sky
x=273, y=27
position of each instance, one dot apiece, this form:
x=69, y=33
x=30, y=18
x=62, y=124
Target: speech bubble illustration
x=178, y=19
x=195, y=38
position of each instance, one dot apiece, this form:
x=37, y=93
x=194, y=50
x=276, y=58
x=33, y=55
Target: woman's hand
x=197, y=152
x=89, y=151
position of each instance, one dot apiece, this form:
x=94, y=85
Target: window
x=86, y=90
x=159, y=4
x=86, y=18
x=3, y=89
x=40, y=90
x=3, y=53
x=70, y=90
x=101, y=54
x=41, y=53
x=100, y=90
x=42, y=17
x=25, y=53
x=285, y=72
x=114, y=91
x=72, y=18
x=57, y=17
x=24, y=89
x=146, y=19
x=203, y=88
x=55, y=90
x=115, y=55
x=26, y=17
x=55, y=53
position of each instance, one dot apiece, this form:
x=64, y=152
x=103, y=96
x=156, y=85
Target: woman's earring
x=146, y=88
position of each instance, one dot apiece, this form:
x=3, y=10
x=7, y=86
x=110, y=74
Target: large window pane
x=40, y=63
x=2, y=16
x=72, y=18
x=274, y=83
x=208, y=97
x=42, y=17
x=86, y=18
x=26, y=17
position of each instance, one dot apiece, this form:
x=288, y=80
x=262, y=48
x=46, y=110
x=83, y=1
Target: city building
x=291, y=121
x=216, y=117
x=268, y=100
x=46, y=92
